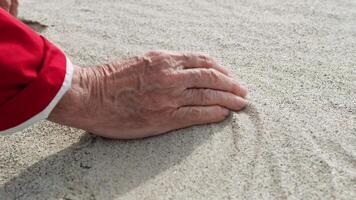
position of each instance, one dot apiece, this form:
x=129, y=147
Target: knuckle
x=199, y=96
x=205, y=75
x=212, y=74
x=187, y=55
x=205, y=95
x=195, y=112
x=167, y=77
x=169, y=61
x=187, y=97
x=161, y=60
x=204, y=56
x=207, y=58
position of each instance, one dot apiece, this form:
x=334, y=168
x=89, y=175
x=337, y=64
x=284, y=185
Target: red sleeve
x=34, y=75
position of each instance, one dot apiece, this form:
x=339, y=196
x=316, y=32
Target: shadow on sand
x=35, y=25
x=96, y=167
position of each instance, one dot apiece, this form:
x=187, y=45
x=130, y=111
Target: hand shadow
x=96, y=168
x=35, y=25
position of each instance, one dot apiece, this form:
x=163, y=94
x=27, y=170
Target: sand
x=296, y=140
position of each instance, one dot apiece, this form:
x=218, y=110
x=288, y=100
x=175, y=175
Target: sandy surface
x=297, y=139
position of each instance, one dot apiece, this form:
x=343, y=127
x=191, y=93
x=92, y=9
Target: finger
x=211, y=79
x=194, y=115
x=208, y=97
x=14, y=7
x=197, y=60
x=200, y=60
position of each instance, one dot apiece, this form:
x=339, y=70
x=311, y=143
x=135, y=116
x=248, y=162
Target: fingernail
x=241, y=103
x=244, y=90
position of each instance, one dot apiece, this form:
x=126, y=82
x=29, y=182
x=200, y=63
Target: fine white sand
x=296, y=140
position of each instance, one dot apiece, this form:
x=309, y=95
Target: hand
x=10, y=6
x=149, y=95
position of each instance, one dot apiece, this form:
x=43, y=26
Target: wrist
x=73, y=101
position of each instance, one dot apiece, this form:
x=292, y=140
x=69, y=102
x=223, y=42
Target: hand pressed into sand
x=149, y=95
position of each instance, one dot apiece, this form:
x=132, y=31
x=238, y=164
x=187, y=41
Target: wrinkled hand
x=149, y=95
x=10, y=6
